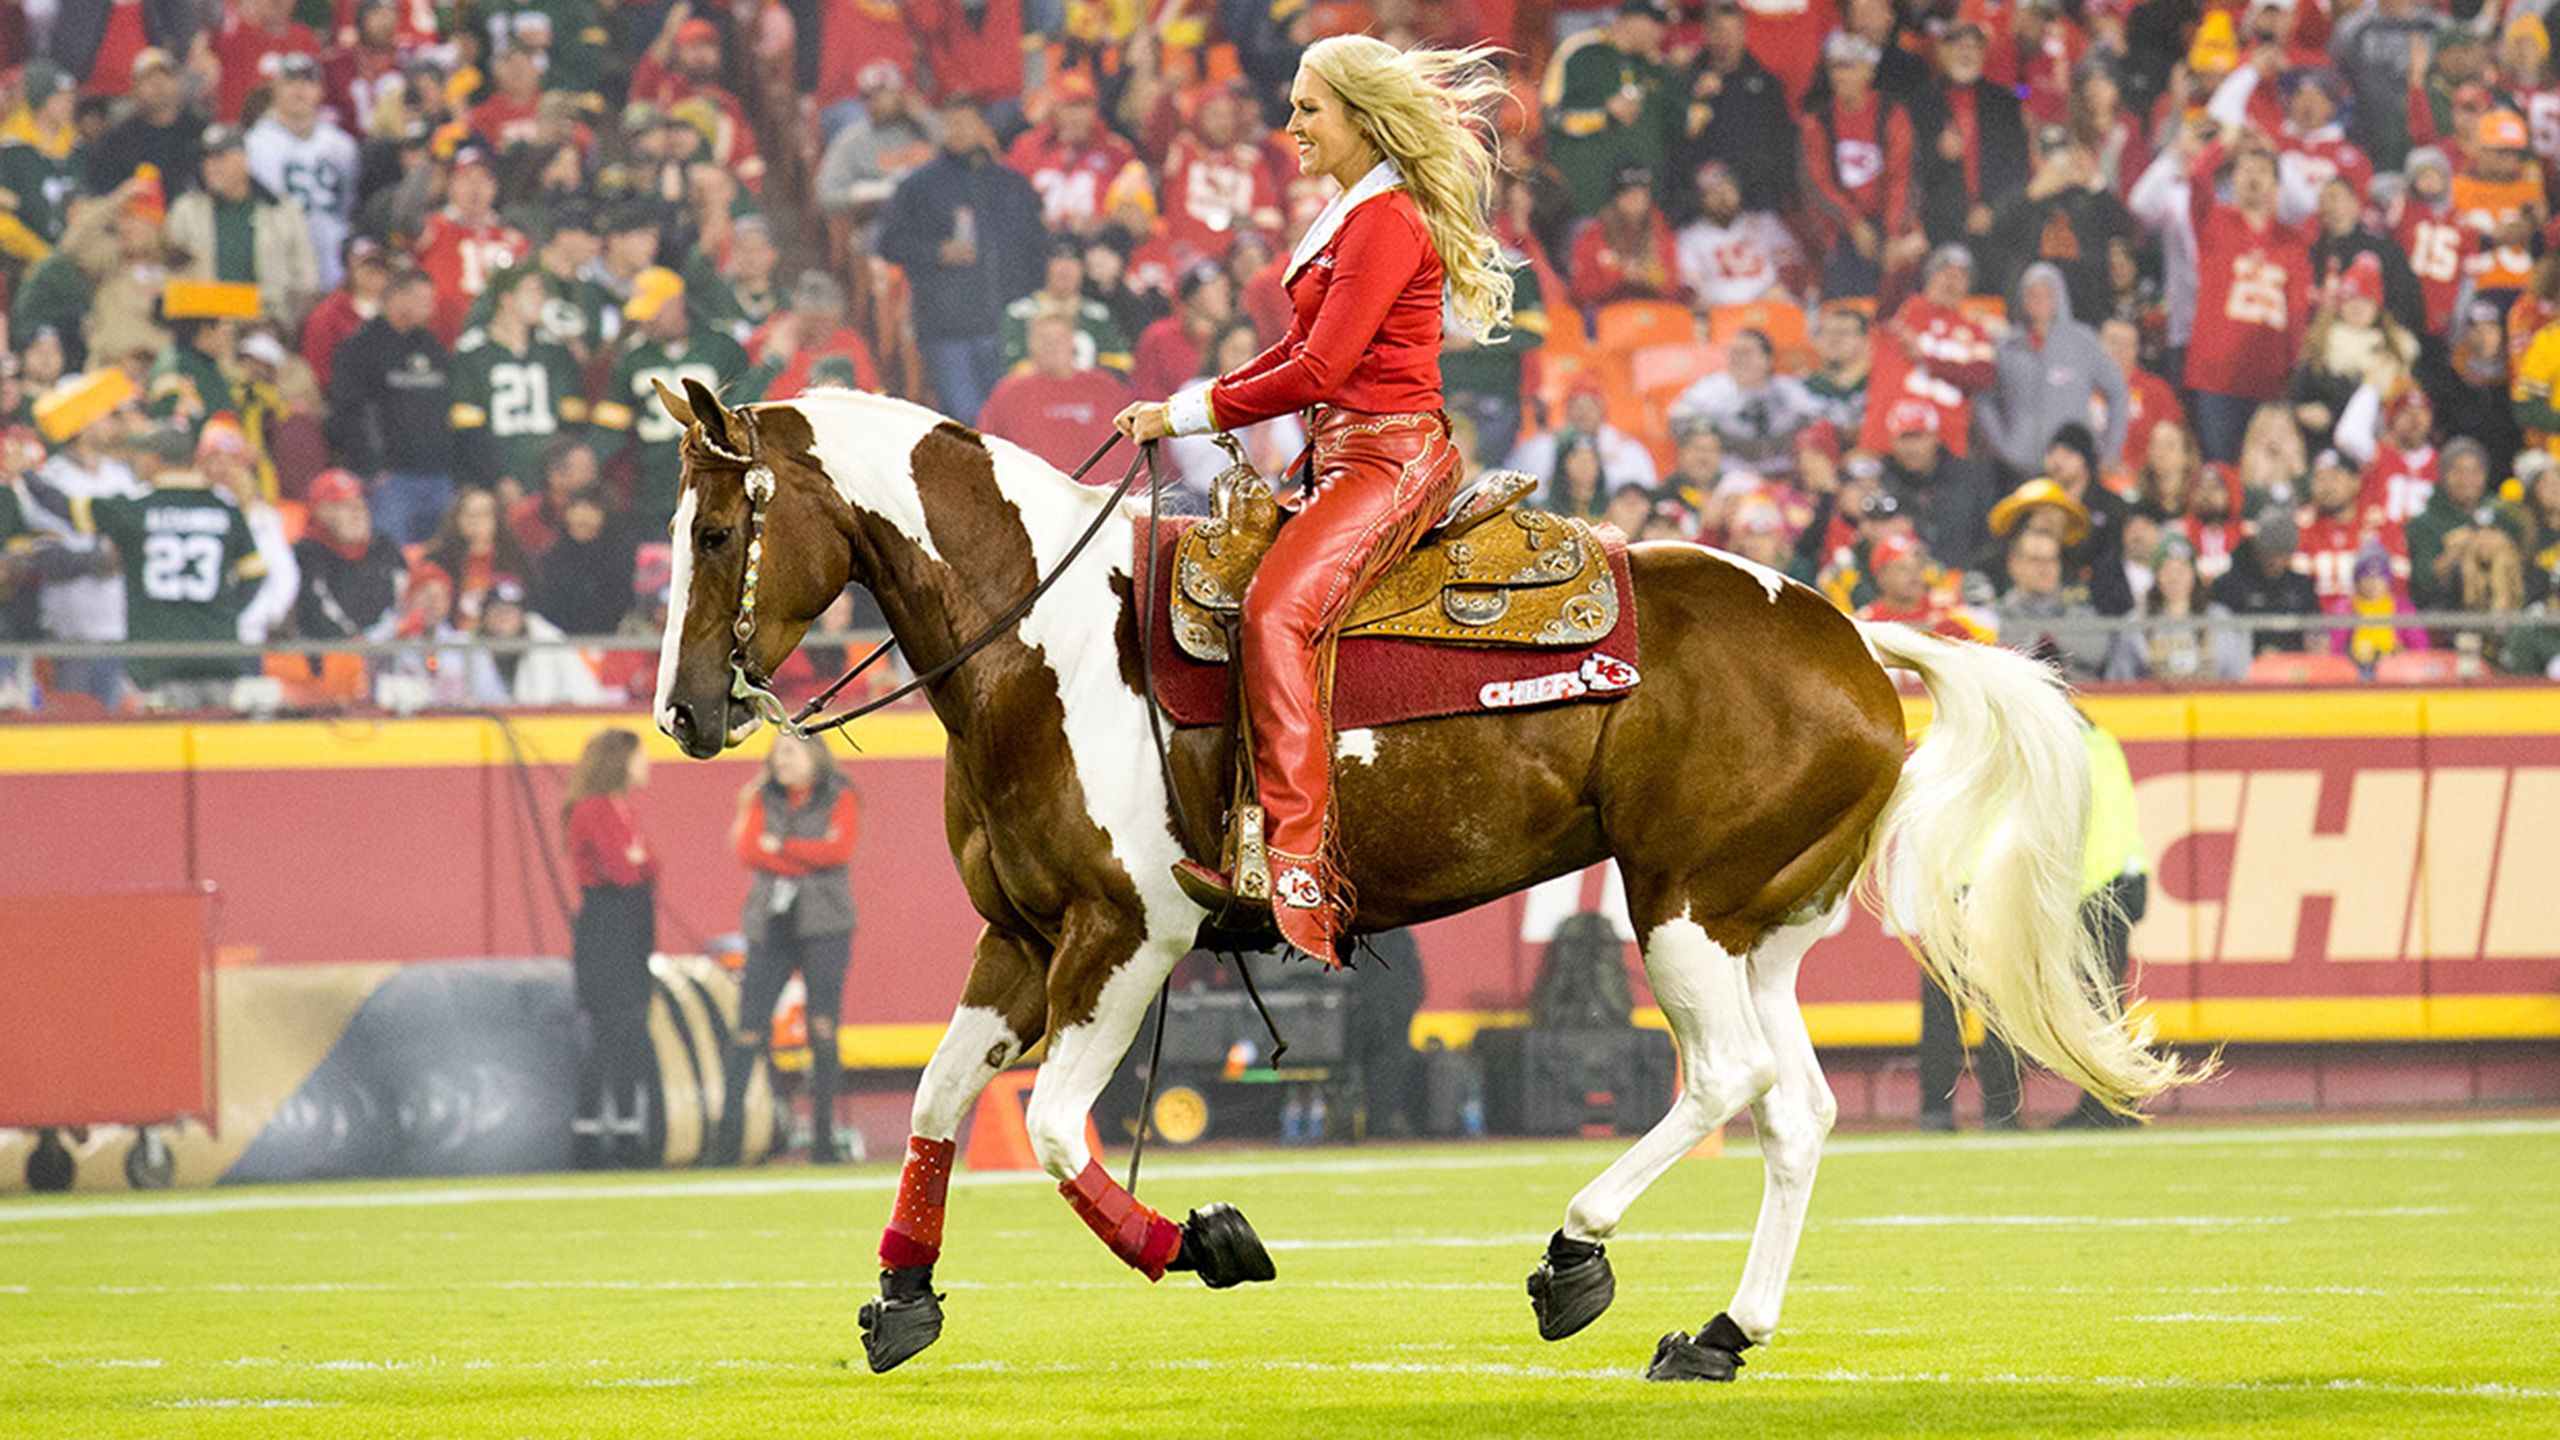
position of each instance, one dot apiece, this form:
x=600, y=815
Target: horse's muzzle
x=702, y=741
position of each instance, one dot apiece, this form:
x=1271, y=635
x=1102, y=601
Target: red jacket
x=1601, y=274
x=1859, y=164
x=796, y=857
x=1059, y=420
x=1365, y=332
x=603, y=834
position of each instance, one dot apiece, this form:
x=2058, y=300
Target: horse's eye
x=714, y=539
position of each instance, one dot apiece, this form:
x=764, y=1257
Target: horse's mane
x=838, y=404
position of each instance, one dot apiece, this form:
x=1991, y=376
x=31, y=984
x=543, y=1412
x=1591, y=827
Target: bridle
x=810, y=720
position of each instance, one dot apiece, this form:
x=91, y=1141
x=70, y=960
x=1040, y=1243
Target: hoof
x=1222, y=1248
x=903, y=1321
x=1714, y=1353
x=1571, y=1286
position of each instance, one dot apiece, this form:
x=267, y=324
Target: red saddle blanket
x=1382, y=682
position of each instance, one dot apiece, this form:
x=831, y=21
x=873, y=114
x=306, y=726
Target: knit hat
x=2174, y=545
x=2362, y=280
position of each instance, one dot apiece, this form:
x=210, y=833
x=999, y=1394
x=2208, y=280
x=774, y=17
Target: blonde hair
x=1429, y=111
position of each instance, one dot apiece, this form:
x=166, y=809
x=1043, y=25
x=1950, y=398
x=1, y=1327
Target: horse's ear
x=709, y=413
x=677, y=408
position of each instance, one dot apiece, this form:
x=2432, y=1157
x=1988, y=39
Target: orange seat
x=1989, y=311
x=1782, y=321
x=1566, y=339
x=2284, y=667
x=2418, y=667
x=1626, y=326
x=1663, y=371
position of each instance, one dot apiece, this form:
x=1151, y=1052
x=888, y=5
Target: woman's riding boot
x=1300, y=907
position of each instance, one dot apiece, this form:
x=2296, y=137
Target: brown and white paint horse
x=1753, y=781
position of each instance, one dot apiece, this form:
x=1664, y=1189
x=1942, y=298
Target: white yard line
x=2256, y=1139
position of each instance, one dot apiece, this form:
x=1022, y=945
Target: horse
x=1756, y=780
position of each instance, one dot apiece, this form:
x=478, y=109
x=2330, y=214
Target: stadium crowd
x=341, y=319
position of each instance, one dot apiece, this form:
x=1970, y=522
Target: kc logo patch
x=1598, y=675
x=1296, y=888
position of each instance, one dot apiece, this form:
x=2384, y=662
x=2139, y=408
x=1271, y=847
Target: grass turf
x=2384, y=1280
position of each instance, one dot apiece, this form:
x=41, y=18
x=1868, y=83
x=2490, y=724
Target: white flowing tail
x=1977, y=860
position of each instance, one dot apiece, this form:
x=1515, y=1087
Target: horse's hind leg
x=1003, y=1009
x=1704, y=991
x=1791, y=1119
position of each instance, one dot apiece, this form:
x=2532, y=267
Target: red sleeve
x=1595, y=269
x=1897, y=170
x=650, y=80
x=833, y=848
x=1817, y=172
x=2421, y=115
x=598, y=836
x=2200, y=196
x=1375, y=257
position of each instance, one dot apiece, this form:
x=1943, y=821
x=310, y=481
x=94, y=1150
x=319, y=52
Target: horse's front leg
x=1003, y=1010
x=1099, y=988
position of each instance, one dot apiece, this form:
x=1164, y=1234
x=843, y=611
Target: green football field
x=2382, y=1280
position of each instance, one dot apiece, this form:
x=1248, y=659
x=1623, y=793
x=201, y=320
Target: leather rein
x=810, y=720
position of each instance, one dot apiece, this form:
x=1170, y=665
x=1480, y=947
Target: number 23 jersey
x=191, y=564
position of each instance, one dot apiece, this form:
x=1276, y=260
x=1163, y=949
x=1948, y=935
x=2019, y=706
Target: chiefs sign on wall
x=2331, y=864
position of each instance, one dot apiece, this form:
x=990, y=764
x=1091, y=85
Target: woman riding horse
x=1403, y=134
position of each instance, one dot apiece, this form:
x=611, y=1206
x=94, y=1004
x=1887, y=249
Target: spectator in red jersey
x=852, y=37
x=617, y=927
x=811, y=330
x=794, y=833
x=1625, y=252
x=360, y=75
x=2425, y=227
x=1932, y=350
x=2253, y=292
x=1912, y=589
x=463, y=246
x=537, y=520
x=974, y=49
x=2149, y=400
x=1169, y=351
x=1217, y=181
x=1071, y=158
x=684, y=65
x=343, y=311
x=2336, y=527
x=2401, y=477
x=1857, y=157
x=255, y=33
x=506, y=118
x=1055, y=408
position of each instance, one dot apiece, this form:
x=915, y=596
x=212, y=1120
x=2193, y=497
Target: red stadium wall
x=2331, y=866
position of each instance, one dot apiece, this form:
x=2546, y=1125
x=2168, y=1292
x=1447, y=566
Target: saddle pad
x=1385, y=682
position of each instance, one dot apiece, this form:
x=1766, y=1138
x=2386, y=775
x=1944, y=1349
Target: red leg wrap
x=914, y=1236
x=1143, y=1239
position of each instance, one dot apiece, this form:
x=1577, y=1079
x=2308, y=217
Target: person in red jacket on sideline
x=617, y=927
x=794, y=833
x=1054, y=408
x=1397, y=130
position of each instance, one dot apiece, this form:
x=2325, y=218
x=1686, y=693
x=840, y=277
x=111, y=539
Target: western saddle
x=1486, y=574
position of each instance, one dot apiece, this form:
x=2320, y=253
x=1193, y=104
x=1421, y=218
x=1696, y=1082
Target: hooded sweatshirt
x=2045, y=384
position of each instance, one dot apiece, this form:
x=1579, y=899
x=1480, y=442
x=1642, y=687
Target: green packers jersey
x=190, y=567
x=188, y=387
x=44, y=186
x=508, y=404
x=572, y=310
x=630, y=404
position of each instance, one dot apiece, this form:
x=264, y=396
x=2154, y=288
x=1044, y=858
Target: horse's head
x=738, y=607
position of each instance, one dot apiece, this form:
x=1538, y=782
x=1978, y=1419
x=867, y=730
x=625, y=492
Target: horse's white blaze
x=1356, y=747
x=975, y=1045
x=1770, y=580
x=1705, y=994
x=679, y=590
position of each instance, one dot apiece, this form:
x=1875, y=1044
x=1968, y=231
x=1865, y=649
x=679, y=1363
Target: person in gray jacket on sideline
x=2052, y=371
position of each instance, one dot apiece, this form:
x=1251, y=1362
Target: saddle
x=1485, y=574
